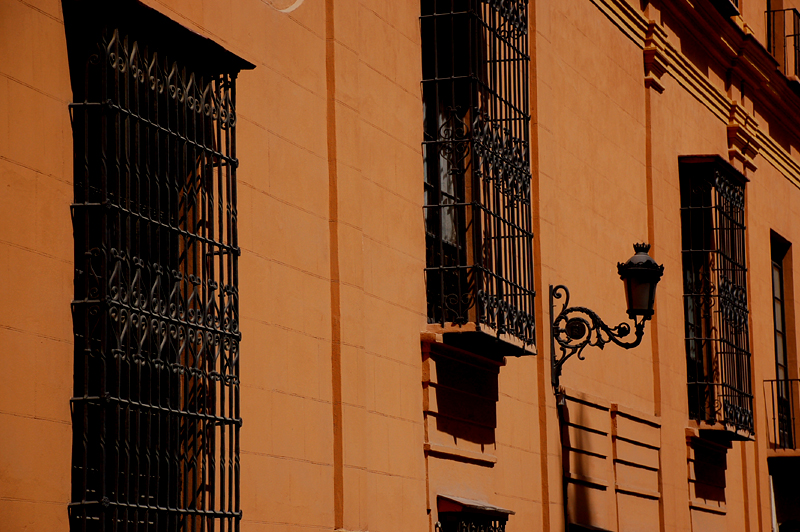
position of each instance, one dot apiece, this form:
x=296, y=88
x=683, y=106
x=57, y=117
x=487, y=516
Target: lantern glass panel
x=640, y=294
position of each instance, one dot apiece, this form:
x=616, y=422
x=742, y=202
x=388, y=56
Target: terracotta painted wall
x=336, y=389
x=594, y=64
x=36, y=265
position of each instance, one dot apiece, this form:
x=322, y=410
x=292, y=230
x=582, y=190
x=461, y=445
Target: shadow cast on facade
x=466, y=396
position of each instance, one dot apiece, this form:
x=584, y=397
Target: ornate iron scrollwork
x=210, y=99
x=453, y=137
x=741, y=418
x=514, y=11
x=729, y=191
x=506, y=318
x=733, y=303
x=575, y=328
x=501, y=157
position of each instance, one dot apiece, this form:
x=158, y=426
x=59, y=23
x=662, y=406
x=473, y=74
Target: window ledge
x=718, y=432
x=460, y=454
x=477, y=339
x=698, y=504
x=779, y=453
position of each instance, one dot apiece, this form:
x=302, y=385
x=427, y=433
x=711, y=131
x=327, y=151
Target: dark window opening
x=465, y=394
x=784, y=472
x=783, y=386
x=783, y=36
x=715, y=293
x=709, y=465
x=156, y=380
x=477, y=165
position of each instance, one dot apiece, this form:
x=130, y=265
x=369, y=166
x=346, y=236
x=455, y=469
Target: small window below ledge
x=707, y=467
x=460, y=394
x=457, y=514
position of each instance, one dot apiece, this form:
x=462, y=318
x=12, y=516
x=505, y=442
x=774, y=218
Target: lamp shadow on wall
x=579, y=490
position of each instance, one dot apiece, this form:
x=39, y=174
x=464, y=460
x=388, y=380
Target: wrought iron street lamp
x=575, y=328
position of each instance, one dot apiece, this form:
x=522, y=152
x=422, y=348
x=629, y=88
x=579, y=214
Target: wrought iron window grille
x=479, y=266
x=470, y=522
x=156, y=313
x=715, y=293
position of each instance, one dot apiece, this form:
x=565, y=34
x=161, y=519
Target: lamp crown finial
x=641, y=247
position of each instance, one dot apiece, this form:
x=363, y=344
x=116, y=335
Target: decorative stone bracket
x=743, y=145
x=655, y=60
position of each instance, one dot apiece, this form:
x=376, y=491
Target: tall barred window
x=156, y=383
x=477, y=165
x=715, y=293
x=783, y=385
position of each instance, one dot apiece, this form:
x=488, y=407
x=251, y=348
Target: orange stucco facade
x=342, y=376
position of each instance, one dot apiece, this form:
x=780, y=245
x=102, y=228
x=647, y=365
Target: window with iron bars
x=156, y=382
x=715, y=293
x=783, y=36
x=475, y=91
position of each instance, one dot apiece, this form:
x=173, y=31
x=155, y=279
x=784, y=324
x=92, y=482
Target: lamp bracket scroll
x=575, y=328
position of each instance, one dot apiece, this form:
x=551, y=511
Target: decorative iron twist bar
x=575, y=328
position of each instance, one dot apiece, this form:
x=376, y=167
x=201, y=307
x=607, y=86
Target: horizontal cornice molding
x=741, y=56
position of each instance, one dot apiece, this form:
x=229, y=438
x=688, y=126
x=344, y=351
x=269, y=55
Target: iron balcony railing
x=782, y=396
x=783, y=38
